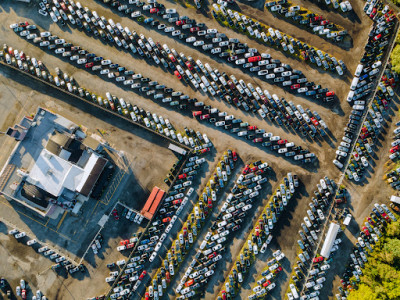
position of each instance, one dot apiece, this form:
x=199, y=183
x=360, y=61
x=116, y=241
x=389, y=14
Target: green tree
x=381, y=275
x=395, y=58
x=364, y=292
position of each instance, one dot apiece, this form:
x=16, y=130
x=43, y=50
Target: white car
x=106, y=62
x=31, y=242
x=81, y=61
x=60, y=50
x=20, y=235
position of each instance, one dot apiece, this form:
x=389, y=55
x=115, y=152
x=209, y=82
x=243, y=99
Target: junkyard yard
x=149, y=160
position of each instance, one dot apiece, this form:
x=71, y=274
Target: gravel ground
x=18, y=97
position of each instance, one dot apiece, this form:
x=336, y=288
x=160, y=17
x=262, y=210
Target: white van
x=337, y=163
x=350, y=96
x=358, y=70
x=354, y=83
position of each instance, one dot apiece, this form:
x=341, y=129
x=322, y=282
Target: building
x=51, y=169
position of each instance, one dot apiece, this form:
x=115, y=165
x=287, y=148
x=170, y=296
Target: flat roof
x=53, y=173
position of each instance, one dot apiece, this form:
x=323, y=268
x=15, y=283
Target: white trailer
x=395, y=199
x=330, y=239
x=177, y=149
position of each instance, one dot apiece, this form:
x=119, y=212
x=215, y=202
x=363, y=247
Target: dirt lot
x=18, y=97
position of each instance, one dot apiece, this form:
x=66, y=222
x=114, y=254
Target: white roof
x=329, y=240
x=52, y=173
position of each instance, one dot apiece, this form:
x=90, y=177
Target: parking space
x=143, y=160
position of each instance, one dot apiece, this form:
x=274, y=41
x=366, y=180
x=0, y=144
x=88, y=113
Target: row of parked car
x=96, y=244
x=344, y=6
x=232, y=213
x=236, y=92
x=122, y=108
x=370, y=130
x=255, y=135
x=266, y=280
x=309, y=234
x=199, y=142
x=191, y=229
x=395, y=150
x=393, y=178
x=61, y=261
x=21, y=290
x=259, y=238
x=312, y=22
x=149, y=243
x=219, y=43
x=265, y=34
x=364, y=81
x=373, y=229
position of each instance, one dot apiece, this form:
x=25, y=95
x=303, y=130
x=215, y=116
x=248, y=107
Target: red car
x=365, y=229
x=23, y=294
x=180, y=22
x=166, y=220
x=154, y=10
x=252, y=128
x=257, y=140
x=89, y=65
x=172, y=57
x=330, y=93
x=282, y=142
x=277, y=270
x=234, y=156
x=197, y=112
x=386, y=217
x=295, y=86
x=205, y=117
x=115, y=214
x=142, y=275
x=190, y=67
x=223, y=293
x=373, y=13
x=246, y=169
x=194, y=29
x=318, y=259
x=325, y=22
x=317, y=18
x=23, y=24
x=315, y=121
x=267, y=283
x=394, y=149
x=178, y=75
x=390, y=19
x=129, y=246
x=254, y=59
x=182, y=176
x=209, y=204
x=204, y=150
x=189, y=283
x=177, y=201
x=212, y=255
x=147, y=296
x=377, y=37
x=124, y=242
